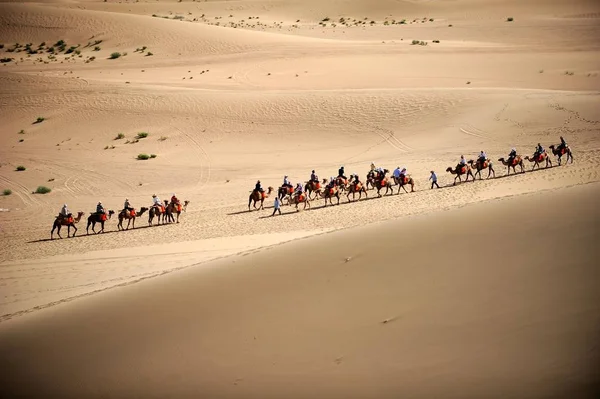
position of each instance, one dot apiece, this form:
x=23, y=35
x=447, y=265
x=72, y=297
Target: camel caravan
x=377, y=179
x=164, y=212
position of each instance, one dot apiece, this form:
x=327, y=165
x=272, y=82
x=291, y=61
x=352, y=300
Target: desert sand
x=478, y=289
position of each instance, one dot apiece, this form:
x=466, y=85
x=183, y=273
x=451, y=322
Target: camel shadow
x=83, y=234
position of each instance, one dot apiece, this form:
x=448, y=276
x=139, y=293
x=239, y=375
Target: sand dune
x=230, y=92
x=463, y=303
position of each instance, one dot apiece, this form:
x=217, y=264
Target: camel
x=172, y=208
x=538, y=159
x=356, y=188
x=401, y=182
x=283, y=192
x=559, y=152
x=341, y=183
x=300, y=199
x=255, y=196
x=97, y=218
x=516, y=161
x=314, y=187
x=158, y=212
x=371, y=177
x=478, y=166
x=383, y=182
x=69, y=222
x=130, y=216
x=329, y=193
x=459, y=171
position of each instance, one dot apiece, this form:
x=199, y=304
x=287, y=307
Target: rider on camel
x=156, y=202
x=402, y=174
x=482, y=157
x=174, y=199
x=539, y=150
x=286, y=182
x=100, y=209
x=299, y=189
x=512, y=156
x=356, y=180
x=397, y=172
x=127, y=205
x=64, y=212
x=563, y=143
x=313, y=177
x=462, y=163
x=341, y=173
x=258, y=187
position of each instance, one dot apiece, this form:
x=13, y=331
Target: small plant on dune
x=541, y=71
x=142, y=135
x=42, y=190
x=21, y=168
x=114, y=55
x=162, y=138
x=419, y=42
x=21, y=131
x=436, y=41
x=5, y=60
x=120, y=136
x=39, y=119
x=153, y=155
x=509, y=19
x=60, y=43
x=570, y=73
x=21, y=140
x=143, y=157
x=7, y=192
x=97, y=48
x=1, y=46
x=325, y=19
x=149, y=54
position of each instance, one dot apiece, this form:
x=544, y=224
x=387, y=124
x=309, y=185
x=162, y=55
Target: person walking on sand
x=276, y=206
x=433, y=179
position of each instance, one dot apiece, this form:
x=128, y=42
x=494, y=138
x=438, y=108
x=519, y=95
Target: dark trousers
x=276, y=210
x=434, y=183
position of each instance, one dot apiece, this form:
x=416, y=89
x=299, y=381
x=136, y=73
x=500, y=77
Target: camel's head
x=551, y=146
x=110, y=213
x=80, y=214
x=500, y=159
x=324, y=181
x=449, y=169
x=143, y=209
x=269, y=189
x=470, y=161
x=186, y=202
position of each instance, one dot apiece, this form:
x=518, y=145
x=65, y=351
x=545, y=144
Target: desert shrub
x=21, y=140
x=7, y=191
x=1, y=46
x=97, y=48
x=180, y=17
x=436, y=41
x=60, y=43
x=142, y=135
x=120, y=136
x=143, y=157
x=71, y=50
x=153, y=155
x=325, y=19
x=509, y=19
x=5, y=60
x=162, y=138
x=115, y=55
x=21, y=131
x=149, y=54
x=39, y=119
x=42, y=190
x=21, y=168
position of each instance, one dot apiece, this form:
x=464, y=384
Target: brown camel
x=403, y=181
x=329, y=193
x=479, y=166
x=130, y=216
x=560, y=151
x=356, y=188
x=68, y=221
x=173, y=208
x=382, y=182
x=537, y=159
x=459, y=171
x=341, y=183
x=159, y=212
x=302, y=198
x=516, y=161
x=98, y=218
x=371, y=177
x=314, y=187
x=258, y=196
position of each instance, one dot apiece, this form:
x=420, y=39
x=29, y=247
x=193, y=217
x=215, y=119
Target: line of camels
x=313, y=190
x=169, y=213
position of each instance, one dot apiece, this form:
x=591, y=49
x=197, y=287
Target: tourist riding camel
x=563, y=143
x=539, y=150
x=462, y=162
x=127, y=205
x=286, y=182
x=341, y=173
x=482, y=157
x=100, y=209
x=156, y=202
x=64, y=212
x=299, y=189
x=174, y=199
x=396, y=173
x=258, y=187
x=512, y=155
x=313, y=177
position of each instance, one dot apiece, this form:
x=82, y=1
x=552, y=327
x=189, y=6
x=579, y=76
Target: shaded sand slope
x=497, y=299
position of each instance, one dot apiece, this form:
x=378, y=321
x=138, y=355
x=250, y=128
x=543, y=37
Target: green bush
x=120, y=136
x=509, y=19
x=143, y=157
x=21, y=168
x=21, y=131
x=114, y=55
x=7, y=191
x=153, y=155
x=142, y=135
x=42, y=190
x=40, y=119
